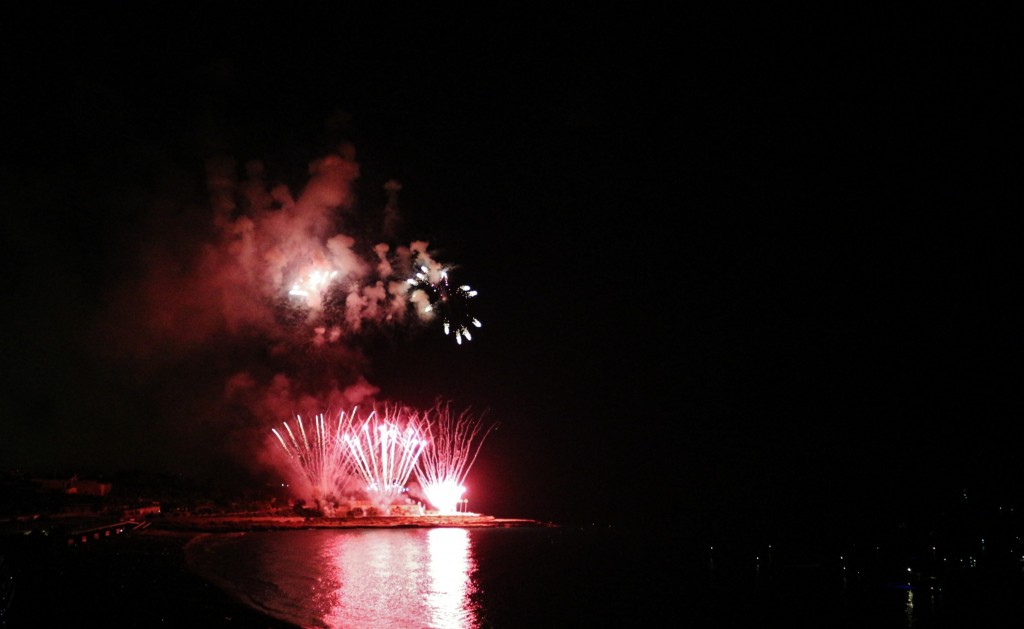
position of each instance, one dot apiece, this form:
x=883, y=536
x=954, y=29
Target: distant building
x=89, y=488
x=73, y=486
x=139, y=512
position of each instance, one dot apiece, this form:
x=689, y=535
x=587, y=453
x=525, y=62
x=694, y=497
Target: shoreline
x=235, y=523
x=141, y=578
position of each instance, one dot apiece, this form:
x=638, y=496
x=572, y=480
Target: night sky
x=747, y=268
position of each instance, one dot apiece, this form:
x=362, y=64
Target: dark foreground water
x=579, y=577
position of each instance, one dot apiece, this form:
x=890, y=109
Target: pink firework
x=384, y=449
x=319, y=453
x=455, y=442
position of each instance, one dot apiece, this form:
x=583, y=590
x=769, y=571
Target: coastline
x=138, y=580
x=141, y=578
x=236, y=523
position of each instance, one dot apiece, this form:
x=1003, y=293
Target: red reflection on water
x=450, y=568
x=413, y=578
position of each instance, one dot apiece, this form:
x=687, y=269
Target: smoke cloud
x=255, y=303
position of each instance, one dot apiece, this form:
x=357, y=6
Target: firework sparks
x=455, y=442
x=320, y=453
x=287, y=264
x=312, y=283
x=384, y=450
x=347, y=294
x=451, y=303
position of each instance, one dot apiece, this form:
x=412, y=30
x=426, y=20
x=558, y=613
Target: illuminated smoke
x=290, y=268
x=260, y=302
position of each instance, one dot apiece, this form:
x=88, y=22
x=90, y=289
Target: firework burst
x=313, y=283
x=384, y=449
x=320, y=453
x=406, y=281
x=450, y=303
x=455, y=442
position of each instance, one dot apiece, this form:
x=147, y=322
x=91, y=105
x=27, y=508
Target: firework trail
x=455, y=442
x=321, y=454
x=384, y=449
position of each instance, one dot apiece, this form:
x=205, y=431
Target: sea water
x=579, y=577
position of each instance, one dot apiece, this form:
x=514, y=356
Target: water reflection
x=406, y=578
x=451, y=568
